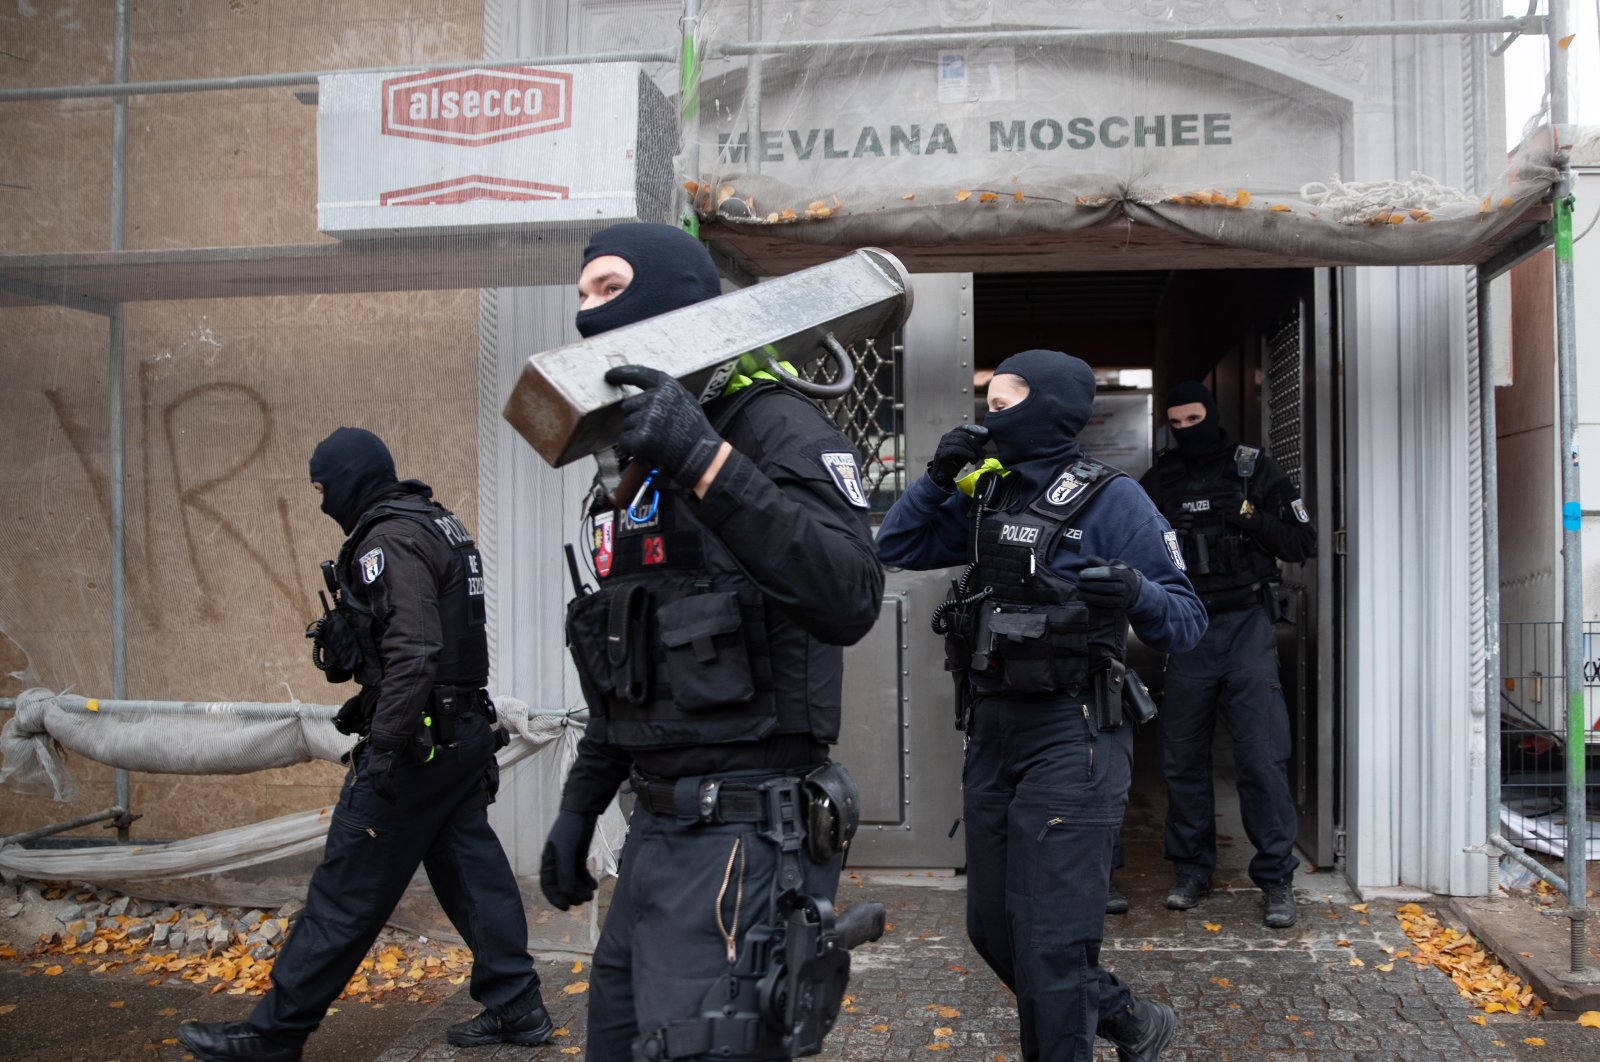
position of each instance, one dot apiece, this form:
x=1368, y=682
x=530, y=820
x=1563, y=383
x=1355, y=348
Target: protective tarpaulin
x=1266, y=145
x=263, y=864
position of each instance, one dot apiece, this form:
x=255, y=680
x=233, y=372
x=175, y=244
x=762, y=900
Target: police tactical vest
x=1218, y=555
x=464, y=656
x=1034, y=634
x=677, y=646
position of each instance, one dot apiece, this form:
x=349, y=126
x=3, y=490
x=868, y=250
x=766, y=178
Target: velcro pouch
x=708, y=663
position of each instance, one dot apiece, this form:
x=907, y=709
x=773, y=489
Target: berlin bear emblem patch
x=1300, y=513
x=846, y=476
x=1065, y=489
x=1174, y=550
x=371, y=565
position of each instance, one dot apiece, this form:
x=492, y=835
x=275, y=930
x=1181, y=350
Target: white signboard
x=491, y=148
x=1118, y=432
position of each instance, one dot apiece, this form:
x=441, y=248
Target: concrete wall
x=225, y=398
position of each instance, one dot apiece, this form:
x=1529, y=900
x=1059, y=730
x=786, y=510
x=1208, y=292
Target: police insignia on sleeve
x=371, y=565
x=846, y=476
x=1300, y=513
x=1174, y=550
x=1065, y=488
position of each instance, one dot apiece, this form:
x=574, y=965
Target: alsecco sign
x=492, y=148
x=477, y=107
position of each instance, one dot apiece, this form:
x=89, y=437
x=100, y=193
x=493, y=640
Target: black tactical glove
x=564, y=876
x=664, y=426
x=1109, y=584
x=352, y=715
x=959, y=447
x=1248, y=521
x=380, y=767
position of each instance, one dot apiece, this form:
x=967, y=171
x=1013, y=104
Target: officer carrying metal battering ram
x=1062, y=553
x=733, y=564
x=407, y=623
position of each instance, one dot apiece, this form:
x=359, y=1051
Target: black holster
x=1109, y=684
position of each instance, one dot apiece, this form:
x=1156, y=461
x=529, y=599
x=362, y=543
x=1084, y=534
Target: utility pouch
x=1136, y=698
x=833, y=811
x=588, y=617
x=1109, y=683
x=1019, y=640
x=707, y=661
x=627, y=643
x=334, y=649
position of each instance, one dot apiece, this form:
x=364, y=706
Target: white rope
x=1358, y=202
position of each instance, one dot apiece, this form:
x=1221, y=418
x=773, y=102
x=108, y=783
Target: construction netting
x=1041, y=119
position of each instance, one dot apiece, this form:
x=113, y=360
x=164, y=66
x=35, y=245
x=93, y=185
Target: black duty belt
x=708, y=799
x=1234, y=599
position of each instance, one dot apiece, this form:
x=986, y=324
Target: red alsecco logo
x=476, y=107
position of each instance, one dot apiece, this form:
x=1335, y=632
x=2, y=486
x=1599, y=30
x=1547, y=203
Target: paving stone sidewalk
x=1242, y=993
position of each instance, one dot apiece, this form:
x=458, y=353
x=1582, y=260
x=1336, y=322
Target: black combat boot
x=530, y=1030
x=234, y=1041
x=1277, y=901
x=1144, y=1031
x=1116, y=903
x=1187, y=892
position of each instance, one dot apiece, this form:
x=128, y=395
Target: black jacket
x=410, y=569
x=1281, y=529
x=794, y=530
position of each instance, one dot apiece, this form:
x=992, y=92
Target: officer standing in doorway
x=1236, y=516
x=711, y=660
x=1062, y=553
x=408, y=625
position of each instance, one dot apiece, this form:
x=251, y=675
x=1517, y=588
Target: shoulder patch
x=1300, y=512
x=371, y=565
x=1066, y=487
x=841, y=465
x=1174, y=550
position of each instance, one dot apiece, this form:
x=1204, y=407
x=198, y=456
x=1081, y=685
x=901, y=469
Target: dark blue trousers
x=440, y=822
x=1043, y=797
x=1238, y=660
x=661, y=947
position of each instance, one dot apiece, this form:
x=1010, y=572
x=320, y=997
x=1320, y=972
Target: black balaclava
x=354, y=468
x=1204, y=438
x=1037, y=437
x=671, y=270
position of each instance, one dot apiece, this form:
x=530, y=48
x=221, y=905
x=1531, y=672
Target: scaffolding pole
x=117, y=402
x=1571, y=511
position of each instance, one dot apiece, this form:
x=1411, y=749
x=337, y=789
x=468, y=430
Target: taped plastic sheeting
x=264, y=864
x=1232, y=143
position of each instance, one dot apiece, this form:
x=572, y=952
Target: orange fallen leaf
x=117, y=1004
x=938, y=1047
x=1222, y=982
x=1590, y=1019
x=1533, y=1041
x=576, y=988
x=7, y=1008
x=1387, y=967
x=572, y=1050
x=987, y=197
x=53, y=971
x=880, y=1028
x=943, y=1030
x=1359, y=908
x=956, y=969
x=1356, y=961
x=1343, y=943
x=1212, y=927
x=909, y=196
x=1291, y=1017
x=577, y=967
x=1018, y=196
x=963, y=195
x=1478, y=1019
x=1564, y=43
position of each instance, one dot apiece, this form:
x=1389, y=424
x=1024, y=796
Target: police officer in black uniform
x=711, y=660
x=1236, y=515
x=408, y=624
x=1063, y=552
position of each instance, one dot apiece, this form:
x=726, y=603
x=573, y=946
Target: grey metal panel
x=929, y=763
x=871, y=744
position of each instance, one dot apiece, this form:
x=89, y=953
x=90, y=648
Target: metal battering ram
x=565, y=409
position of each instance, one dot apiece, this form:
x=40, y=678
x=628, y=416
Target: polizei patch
x=1300, y=513
x=1174, y=550
x=1065, y=489
x=846, y=476
x=1021, y=534
x=371, y=565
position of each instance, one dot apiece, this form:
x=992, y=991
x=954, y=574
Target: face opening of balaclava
x=354, y=467
x=671, y=270
x=1204, y=438
x=1037, y=437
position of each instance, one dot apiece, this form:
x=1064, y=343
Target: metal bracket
x=1520, y=25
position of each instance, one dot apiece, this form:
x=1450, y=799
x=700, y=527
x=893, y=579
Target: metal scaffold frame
x=690, y=57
